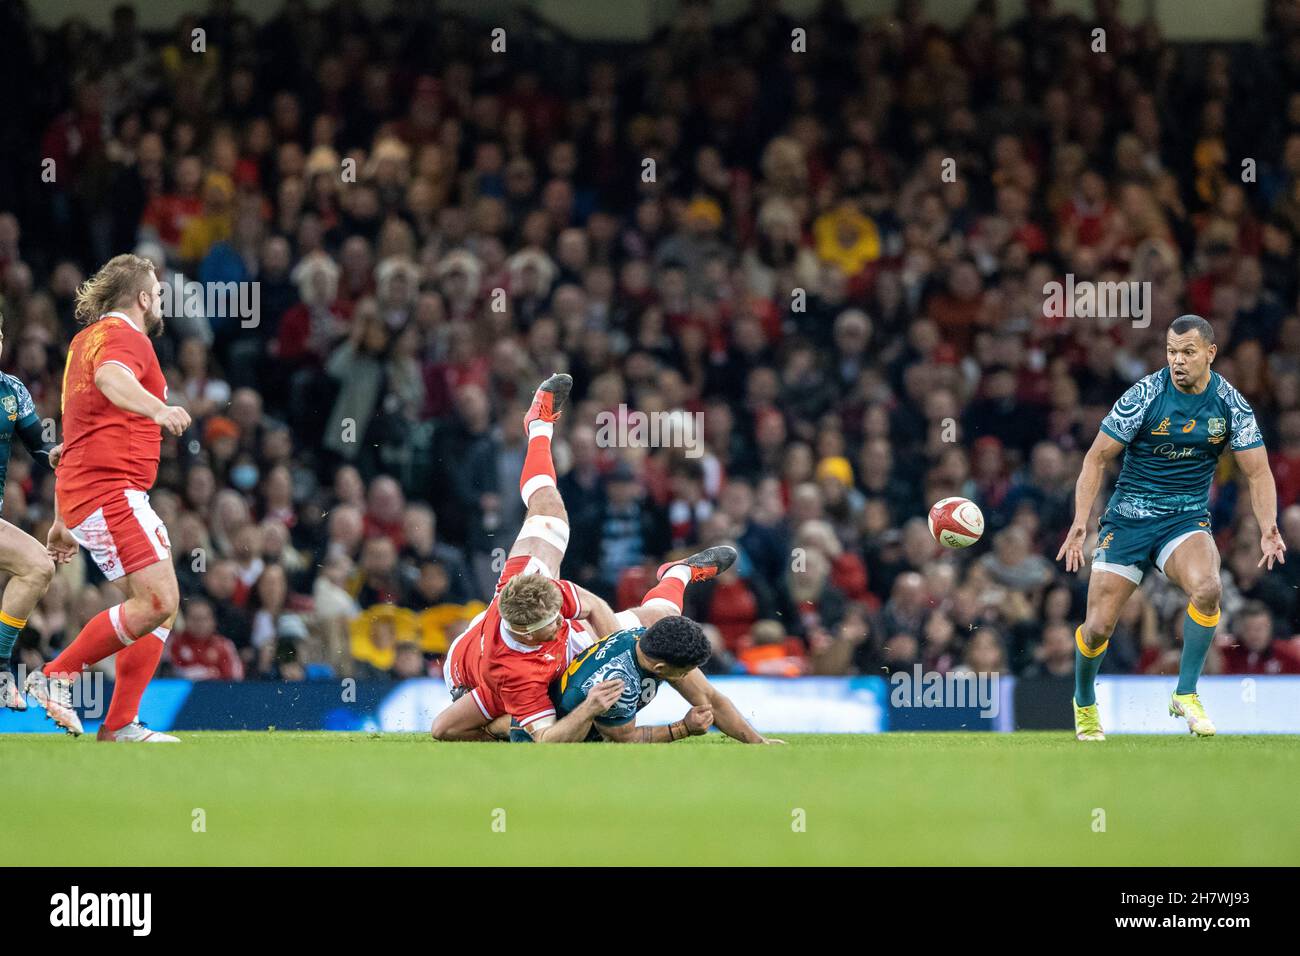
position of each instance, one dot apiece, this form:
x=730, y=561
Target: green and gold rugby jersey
x=610, y=657
x=18, y=417
x=1174, y=442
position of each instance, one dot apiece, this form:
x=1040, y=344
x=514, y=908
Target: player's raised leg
x=1107, y=592
x=545, y=532
x=1193, y=565
x=30, y=569
x=665, y=599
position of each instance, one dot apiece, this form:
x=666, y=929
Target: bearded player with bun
x=114, y=412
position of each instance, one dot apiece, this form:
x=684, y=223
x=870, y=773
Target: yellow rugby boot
x=1190, y=708
x=1087, y=723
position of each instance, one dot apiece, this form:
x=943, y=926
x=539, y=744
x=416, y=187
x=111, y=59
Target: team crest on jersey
x=619, y=667
x=1216, y=427
x=1162, y=428
x=10, y=406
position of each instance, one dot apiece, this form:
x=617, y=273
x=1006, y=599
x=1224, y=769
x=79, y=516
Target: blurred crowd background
x=861, y=334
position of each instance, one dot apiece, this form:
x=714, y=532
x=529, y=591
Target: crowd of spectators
x=834, y=255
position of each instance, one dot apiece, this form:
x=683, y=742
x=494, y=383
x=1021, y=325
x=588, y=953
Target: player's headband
x=533, y=627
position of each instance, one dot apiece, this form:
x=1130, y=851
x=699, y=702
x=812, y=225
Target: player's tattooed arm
x=697, y=721
x=697, y=690
x=1253, y=463
x=1104, y=450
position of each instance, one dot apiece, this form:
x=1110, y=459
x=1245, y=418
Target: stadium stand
x=836, y=262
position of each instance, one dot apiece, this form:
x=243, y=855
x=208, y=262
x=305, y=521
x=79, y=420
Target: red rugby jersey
x=106, y=449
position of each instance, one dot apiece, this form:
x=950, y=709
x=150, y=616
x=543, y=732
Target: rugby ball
x=956, y=522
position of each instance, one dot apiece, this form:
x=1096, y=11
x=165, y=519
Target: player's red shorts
x=124, y=534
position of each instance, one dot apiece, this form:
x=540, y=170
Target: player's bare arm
x=596, y=611
x=696, y=723
x=125, y=391
x=1253, y=463
x=697, y=690
x=573, y=727
x=1103, y=451
x=60, y=544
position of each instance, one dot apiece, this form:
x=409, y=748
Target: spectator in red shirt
x=384, y=511
x=309, y=329
x=167, y=215
x=199, y=652
x=732, y=607
x=957, y=309
x=1252, y=648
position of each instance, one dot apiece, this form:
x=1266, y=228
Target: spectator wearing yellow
x=216, y=222
x=847, y=238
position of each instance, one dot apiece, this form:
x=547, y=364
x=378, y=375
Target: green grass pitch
x=896, y=799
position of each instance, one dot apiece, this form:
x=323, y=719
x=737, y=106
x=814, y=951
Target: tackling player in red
x=114, y=408
x=504, y=662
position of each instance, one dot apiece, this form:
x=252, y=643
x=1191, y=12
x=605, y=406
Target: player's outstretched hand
x=59, y=543
x=1274, y=548
x=1072, y=547
x=604, y=695
x=173, y=419
x=55, y=454
x=699, y=719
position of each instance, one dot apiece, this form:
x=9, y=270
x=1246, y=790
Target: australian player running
x=114, y=409
x=1171, y=427
x=22, y=557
